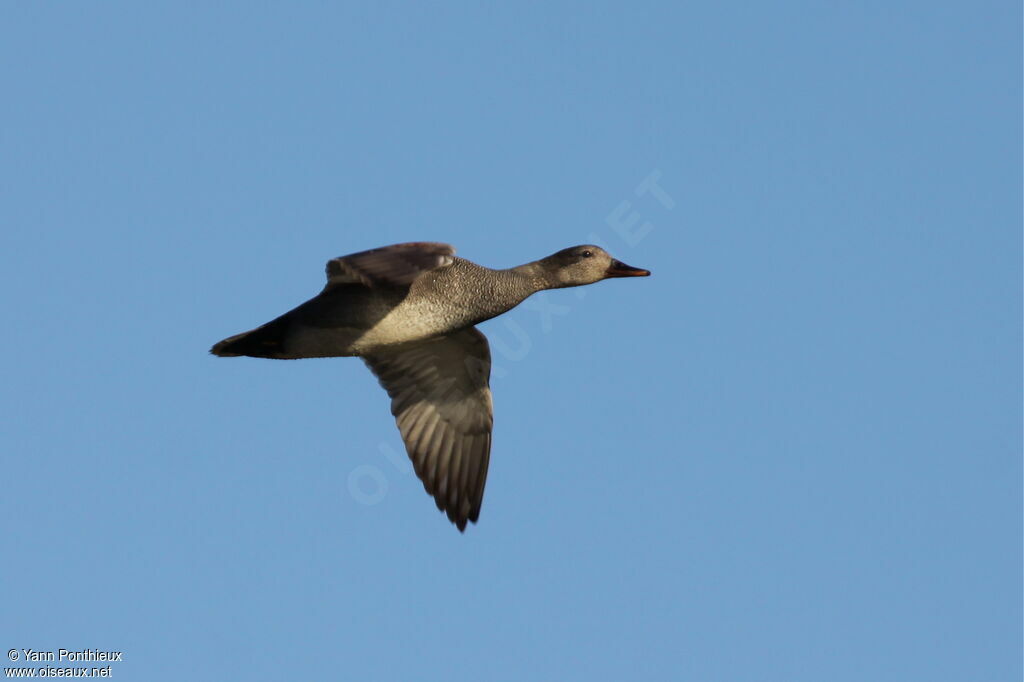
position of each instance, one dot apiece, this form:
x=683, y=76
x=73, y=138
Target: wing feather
x=397, y=265
x=441, y=400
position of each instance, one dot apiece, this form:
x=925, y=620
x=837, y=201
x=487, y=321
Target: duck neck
x=529, y=278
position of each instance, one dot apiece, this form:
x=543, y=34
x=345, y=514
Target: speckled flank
x=438, y=302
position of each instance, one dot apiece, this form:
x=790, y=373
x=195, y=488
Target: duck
x=410, y=312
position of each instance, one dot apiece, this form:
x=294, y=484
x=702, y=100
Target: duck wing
x=397, y=265
x=441, y=400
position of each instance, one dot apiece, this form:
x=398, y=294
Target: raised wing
x=442, y=403
x=396, y=265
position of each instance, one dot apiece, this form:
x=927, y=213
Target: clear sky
x=793, y=453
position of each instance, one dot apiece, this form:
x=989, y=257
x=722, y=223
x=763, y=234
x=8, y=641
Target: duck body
x=352, y=319
x=409, y=311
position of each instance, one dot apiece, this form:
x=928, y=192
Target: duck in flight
x=408, y=311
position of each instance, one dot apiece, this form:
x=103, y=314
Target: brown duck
x=408, y=311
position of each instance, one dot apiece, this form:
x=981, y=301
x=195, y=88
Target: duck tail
x=266, y=341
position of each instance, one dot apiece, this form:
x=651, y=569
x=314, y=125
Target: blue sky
x=793, y=453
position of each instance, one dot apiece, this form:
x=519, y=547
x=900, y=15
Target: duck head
x=585, y=264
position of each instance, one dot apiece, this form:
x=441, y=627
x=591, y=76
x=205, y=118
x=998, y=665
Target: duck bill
x=620, y=269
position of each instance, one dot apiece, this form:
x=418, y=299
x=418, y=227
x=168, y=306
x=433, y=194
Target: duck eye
x=587, y=254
